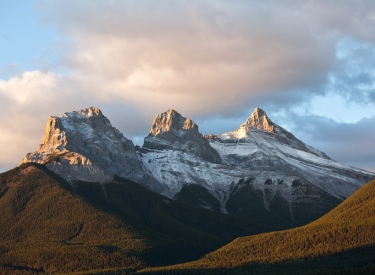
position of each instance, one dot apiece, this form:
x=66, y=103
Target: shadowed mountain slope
x=342, y=239
x=48, y=227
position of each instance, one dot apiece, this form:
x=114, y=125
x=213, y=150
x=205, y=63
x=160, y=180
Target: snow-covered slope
x=255, y=147
x=278, y=164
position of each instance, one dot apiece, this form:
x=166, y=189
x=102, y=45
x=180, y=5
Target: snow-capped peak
x=259, y=119
x=85, y=113
x=260, y=129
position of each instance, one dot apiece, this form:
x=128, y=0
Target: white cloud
x=197, y=56
x=203, y=57
x=27, y=100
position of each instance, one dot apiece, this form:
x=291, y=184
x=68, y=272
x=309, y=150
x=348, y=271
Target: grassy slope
x=48, y=227
x=342, y=239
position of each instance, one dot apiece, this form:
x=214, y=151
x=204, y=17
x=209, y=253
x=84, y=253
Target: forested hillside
x=341, y=241
x=47, y=226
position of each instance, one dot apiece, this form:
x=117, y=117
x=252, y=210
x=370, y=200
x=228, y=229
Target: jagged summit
x=171, y=120
x=171, y=131
x=88, y=112
x=71, y=129
x=260, y=120
x=83, y=145
x=260, y=129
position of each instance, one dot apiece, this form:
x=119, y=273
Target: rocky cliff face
x=83, y=145
x=171, y=131
x=259, y=120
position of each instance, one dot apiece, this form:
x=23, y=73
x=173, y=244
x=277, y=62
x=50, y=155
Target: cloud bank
x=210, y=60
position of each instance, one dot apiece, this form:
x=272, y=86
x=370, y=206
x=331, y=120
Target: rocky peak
x=84, y=113
x=83, y=145
x=171, y=120
x=170, y=130
x=260, y=120
x=64, y=133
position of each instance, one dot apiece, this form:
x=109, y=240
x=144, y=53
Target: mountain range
x=258, y=168
x=88, y=201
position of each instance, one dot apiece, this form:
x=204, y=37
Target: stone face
x=83, y=145
x=259, y=119
x=172, y=131
x=171, y=121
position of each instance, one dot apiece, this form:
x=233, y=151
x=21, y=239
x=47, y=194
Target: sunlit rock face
x=171, y=131
x=258, y=119
x=83, y=145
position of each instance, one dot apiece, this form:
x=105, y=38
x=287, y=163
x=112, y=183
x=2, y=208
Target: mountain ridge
x=261, y=176
x=260, y=160
x=274, y=164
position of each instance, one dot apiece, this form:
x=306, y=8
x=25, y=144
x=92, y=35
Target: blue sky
x=308, y=64
x=25, y=42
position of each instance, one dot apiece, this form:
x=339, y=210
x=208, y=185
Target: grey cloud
x=350, y=143
x=353, y=75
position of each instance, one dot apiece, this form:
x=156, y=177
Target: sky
x=309, y=64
